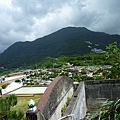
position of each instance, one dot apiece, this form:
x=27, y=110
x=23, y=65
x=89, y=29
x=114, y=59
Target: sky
x=27, y=20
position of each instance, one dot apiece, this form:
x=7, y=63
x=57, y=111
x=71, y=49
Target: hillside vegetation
x=70, y=41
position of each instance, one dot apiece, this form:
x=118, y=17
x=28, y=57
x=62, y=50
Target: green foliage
x=77, y=78
x=111, y=57
x=53, y=75
x=36, y=75
x=16, y=115
x=98, y=78
x=84, y=78
x=63, y=111
x=18, y=81
x=110, y=110
x=23, y=79
x=115, y=72
x=68, y=101
x=28, y=77
x=65, y=106
x=112, y=48
x=5, y=112
x=5, y=85
x=70, y=41
x=113, y=53
x=36, y=84
x=12, y=99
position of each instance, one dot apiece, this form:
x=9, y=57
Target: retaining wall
x=53, y=100
x=98, y=91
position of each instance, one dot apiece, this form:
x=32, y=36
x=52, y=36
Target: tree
x=112, y=48
x=5, y=106
x=113, y=53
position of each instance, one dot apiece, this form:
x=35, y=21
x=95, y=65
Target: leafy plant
x=4, y=86
x=18, y=81
x=110, y=110
x=65, y=106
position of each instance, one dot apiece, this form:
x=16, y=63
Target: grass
x=22, y=103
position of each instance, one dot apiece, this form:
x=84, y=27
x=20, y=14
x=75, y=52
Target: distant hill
x=67, y=41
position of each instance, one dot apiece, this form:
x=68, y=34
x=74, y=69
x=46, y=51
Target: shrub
x=18, y=81
x=110, y=110
x=4, y=86
x=63, y=110
x=37, y=83
x=28, y=83
x=65, y=106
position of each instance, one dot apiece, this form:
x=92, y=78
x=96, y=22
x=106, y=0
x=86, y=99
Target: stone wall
x=53, y=99
x=98, y=91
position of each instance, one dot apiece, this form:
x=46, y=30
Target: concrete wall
x=53, y=99
x=90, y=95
x=98, y=91
x=77, y=107
x=11, y=87
x=57, y=113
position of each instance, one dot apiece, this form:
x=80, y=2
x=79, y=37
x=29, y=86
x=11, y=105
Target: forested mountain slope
x=67, y=41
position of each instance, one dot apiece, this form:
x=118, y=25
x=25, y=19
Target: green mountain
x=67, y=41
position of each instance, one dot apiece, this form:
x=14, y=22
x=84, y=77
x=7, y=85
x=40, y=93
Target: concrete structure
x=99, y=91
x=77, y=107
x=53, y=100
x=88, y=95
x=14, y=77
x=25, y=90
x=11, y=87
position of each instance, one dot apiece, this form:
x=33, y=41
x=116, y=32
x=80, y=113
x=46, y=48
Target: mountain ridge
x=66, y=41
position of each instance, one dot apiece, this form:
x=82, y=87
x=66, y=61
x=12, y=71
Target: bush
x=37, y=83
x=23, y=79
x=4, y=86
x=32, y=83
x=28, y=83
x=18, y=81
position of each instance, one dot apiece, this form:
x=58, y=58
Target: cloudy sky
x=26, y=20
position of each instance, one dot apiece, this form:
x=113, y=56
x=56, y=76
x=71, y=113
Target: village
x=43, y=77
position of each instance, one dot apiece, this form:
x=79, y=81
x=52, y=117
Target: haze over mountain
x=67, y=41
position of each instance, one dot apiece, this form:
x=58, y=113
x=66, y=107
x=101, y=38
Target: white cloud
x=30, y=19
